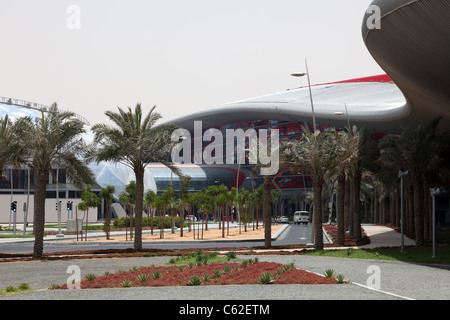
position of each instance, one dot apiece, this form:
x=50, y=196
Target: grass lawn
x=16, y=236
x=410, y=254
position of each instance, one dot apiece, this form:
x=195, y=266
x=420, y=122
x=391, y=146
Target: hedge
x=146, y=222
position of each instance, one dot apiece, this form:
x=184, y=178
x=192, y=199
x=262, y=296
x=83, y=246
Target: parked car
x=301, y=217
x=283, y=219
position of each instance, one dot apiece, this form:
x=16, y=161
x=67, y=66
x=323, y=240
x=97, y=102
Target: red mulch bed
x=239, y=275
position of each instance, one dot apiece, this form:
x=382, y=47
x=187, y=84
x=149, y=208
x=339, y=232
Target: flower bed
x=216, y=274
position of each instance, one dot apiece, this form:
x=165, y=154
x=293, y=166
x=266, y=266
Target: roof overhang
x=412, y=46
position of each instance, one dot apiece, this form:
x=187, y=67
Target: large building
x=410, y=42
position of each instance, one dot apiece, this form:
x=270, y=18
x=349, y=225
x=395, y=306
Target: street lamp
x=340, y=113
x=402, y=174
x=302, y=74
x=434, y=192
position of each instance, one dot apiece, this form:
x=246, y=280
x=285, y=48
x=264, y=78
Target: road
x=292, y=235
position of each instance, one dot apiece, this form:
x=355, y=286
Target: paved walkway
x=381, y=236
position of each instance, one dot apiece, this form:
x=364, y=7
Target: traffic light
x=14, y=206
x=69, y=205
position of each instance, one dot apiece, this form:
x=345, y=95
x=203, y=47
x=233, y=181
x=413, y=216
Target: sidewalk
x=381, y=236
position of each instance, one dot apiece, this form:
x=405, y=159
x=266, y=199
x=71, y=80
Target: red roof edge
x=378, y=78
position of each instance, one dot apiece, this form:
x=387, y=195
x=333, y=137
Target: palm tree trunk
x=139, y=172
x=317, y=214
x=267, y=212
x=418, y=216
x=40, y=190
x=340, y=213
x=357, y=206
x=347, y=204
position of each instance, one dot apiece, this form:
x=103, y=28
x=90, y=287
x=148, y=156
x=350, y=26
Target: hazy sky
x=180, y=55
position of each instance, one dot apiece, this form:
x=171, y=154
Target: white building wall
x=50, y=210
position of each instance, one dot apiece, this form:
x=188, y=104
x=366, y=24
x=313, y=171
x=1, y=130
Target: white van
x=301, y=217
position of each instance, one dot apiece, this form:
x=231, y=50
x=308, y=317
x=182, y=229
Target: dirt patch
x=212, y=234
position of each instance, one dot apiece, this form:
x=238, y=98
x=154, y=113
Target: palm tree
x=134, y=141
x=91, y=200
x=6, y=139
x=315, y=153
x=53, y=139
x=124, y=198
x=149, y=200
x=421, y=151
x=107, y=195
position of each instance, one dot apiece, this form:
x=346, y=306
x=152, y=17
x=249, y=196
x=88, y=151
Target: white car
x=301, y=217
x=283, y=219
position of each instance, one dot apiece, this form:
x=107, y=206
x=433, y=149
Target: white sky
x=179, y=55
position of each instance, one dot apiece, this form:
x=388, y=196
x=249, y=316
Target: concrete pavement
x=369, y=279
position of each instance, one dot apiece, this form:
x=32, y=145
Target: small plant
x=24, y=286
x=191, y=265
x=266, y=278
x=231, y=255
x=172, y=261
x=180, y=268
x=90, y=277
x=289, y=266
x=142, y=278
x=226, y=269
x=206, y=277
x=120, y=271
x=329, y=273
x=244, y=263
x=53, y=287
x=349, y=251
x=10, y=289
x=194, y=281
x=126, y=284
x=212, y=255
x=134, y=269
x=156, y=275
x=217, y=273
x=107, y=273
x=340, y=279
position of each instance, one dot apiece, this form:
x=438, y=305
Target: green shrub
x=146, y=222
x=266, y=278
x=142, y=278
x=126, y=284
x=24, y=286
x=194, y=281
x=231, y=255
x=340, y=278
x=90, y=277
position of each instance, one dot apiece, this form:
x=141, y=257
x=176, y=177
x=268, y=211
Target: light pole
x=402, y=174
x=339, y=113
x=302, y=74
x=434, y=193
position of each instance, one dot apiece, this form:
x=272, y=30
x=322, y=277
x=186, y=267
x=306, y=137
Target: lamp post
x=339, y=113
x=302, y=74
x=402, y=174
x=434, y=193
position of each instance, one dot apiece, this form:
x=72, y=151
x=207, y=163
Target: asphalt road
x=398, y=281
x=294, y=234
